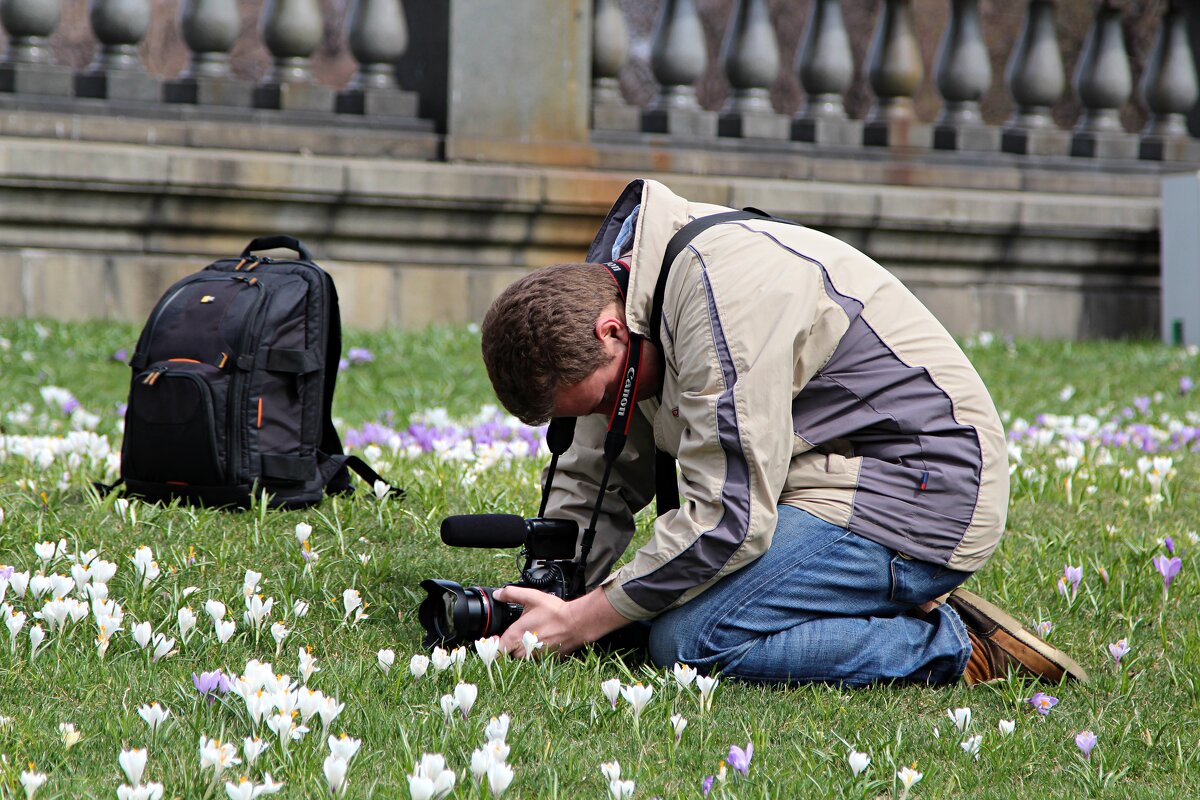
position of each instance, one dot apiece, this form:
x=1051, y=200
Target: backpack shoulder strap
x=666, y=487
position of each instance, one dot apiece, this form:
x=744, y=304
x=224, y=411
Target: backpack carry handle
x=271, y=242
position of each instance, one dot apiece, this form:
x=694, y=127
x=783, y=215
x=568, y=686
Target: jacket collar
x=662, y=214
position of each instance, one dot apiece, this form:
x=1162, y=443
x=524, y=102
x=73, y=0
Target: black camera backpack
x=233, y=380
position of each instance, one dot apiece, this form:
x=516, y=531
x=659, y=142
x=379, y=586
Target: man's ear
x=608, y=325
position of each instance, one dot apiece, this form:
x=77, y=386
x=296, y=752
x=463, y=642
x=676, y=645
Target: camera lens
x=454, y=614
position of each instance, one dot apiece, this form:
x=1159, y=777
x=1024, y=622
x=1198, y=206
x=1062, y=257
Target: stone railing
x=1035, y=79
x=477, y=139
x=290, y=30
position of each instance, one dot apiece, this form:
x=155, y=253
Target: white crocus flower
x=329, y=710
x=145, y=566
x=612, y=690
x=224, y=630
x=481, y=759
x=499, y=776
x=133, y=764
x=441, y=659
x=335, y=774
x=488, y=649
x=531, y=643
x=344, y=747
x=637, y=696
x=611, y=770
x=163, y=647
x=148, y=791
x=215, y=609
x=621, y=789
x=961, y=717
x=908, y=777
x=36, y=637
x=303, y=532
x=187, y=623
x=250, y=585
x=218, y=755
x=496, y=729
x=257, y=611
x=971, y=744
x=154, y=715
x=858, y=761
x=385, y=659
x=678, y=723
x=418, y=664
x=308, y=665
x=707, y=686
x=465, y=694
x=31, y=781
x=449, y=704
x=1006, y=726
x=351, y=601
x=279, y=632
x=70, y=736
x=252, y=748
x=684, y=675
x=299, y=609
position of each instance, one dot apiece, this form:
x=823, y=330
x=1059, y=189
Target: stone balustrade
x=474, y=139
x=1103, y=81
x=290, y=30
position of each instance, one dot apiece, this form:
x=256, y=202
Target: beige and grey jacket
x=797, y=371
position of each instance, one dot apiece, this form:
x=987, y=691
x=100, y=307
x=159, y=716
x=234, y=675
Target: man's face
x=598, y=392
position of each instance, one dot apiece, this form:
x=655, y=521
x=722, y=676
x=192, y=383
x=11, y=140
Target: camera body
x=453, y=614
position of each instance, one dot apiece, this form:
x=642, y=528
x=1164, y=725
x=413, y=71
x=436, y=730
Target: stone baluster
x=750, y=56
x=210, y=28
x=118, y=72
x=292, y=30
x=1036, y=80
x=27, y=67
x=1104, y=83
x=1169, y=90
x=964, y=73
x=678, y=58
x=895, y=72
x=610, y=52
x=378, y=36
x=825, y=66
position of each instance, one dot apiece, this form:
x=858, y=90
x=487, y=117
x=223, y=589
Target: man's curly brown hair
x=540, y=334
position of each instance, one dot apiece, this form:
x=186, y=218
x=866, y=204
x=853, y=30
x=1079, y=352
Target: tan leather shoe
x=999, y=644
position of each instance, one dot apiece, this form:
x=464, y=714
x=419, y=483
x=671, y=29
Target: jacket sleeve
x=734, y=330
x=630, y=487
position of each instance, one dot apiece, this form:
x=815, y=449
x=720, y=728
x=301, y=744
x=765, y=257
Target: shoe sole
x=1017, y=632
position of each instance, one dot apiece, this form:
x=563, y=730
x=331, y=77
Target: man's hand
x=562, y=626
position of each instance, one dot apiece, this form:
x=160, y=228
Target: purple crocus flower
x=360, y=355
x=1118, y=650
x=1169, y=543
x=1168, y=568
x=1142, y=404
x=739, y=759
x=1042, y=703
x=121, y=356
x=6, y=572
x=1073, y=576
x=1186, y=385
x=343, y=365
x=1085, y=741
x=210, y=684
x=706, y=785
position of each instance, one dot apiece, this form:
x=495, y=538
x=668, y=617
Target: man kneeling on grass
x=841, y=464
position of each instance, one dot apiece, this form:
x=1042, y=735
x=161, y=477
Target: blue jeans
x=822, y=604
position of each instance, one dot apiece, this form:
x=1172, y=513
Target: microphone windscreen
x=484, y=530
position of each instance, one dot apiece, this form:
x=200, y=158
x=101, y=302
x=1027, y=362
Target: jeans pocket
x=915, y=582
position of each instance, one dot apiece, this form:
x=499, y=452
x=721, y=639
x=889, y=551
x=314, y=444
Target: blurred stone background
x=165, y=54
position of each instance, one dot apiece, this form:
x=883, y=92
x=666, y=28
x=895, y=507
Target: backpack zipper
x=236, y=404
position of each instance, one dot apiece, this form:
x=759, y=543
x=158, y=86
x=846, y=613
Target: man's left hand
x=562, y=626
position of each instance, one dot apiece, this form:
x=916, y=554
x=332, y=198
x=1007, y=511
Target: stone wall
x=97, y=229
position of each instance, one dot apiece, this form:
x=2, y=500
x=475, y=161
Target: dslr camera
x=453, y=614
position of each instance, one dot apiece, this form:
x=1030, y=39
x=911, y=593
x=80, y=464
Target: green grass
x=562, y=728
